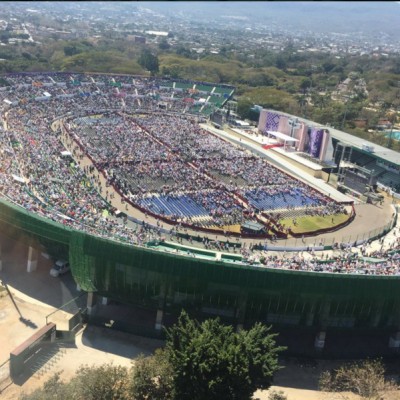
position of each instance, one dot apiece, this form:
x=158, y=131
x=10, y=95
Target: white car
x=60, y=267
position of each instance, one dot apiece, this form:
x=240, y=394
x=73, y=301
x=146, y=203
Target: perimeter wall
x=238, y=292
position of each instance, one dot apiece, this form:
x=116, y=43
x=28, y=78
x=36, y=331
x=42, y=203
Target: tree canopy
x=211, y=361
x=365, y=378
x=207, y=360
x=300, y=83
x=149, y=61
x=90, y=383
x=151, y=377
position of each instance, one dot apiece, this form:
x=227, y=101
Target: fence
x=328, y=243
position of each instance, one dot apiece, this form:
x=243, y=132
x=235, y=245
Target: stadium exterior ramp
x=238, y=292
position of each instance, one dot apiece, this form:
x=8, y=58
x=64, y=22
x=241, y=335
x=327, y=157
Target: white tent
x=281, y=136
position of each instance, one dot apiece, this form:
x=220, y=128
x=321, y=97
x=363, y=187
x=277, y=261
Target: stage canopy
x=279, y=135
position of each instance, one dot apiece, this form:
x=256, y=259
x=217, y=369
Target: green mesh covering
x=145, y=276
x=29, y=222
x=136, y=275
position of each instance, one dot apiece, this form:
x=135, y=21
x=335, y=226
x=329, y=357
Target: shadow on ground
x=44, y=360
x=118, y=343
x=38, y=284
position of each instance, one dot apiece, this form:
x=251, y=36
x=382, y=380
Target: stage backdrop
x=315, y=141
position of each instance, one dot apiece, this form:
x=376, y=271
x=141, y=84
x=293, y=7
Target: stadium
x=157, y=209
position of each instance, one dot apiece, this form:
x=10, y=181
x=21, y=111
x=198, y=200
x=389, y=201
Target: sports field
x=313, y=223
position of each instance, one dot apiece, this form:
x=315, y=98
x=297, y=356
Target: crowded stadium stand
x=160, y=161
x=73, y=144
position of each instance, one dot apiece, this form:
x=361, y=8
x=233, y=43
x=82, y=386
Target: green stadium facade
x=293, y=301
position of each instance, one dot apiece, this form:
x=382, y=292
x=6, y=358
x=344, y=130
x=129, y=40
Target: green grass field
x=312, y=223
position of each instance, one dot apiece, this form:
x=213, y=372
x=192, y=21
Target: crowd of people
x=150, y=156
x=143, y=154
x=36, y=176
x=362, y=260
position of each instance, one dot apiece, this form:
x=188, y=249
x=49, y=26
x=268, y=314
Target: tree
x=274, y=395
x=27, y=55
x=164, y=45
x=70, y=50
x=328, y=66
x=280, y=62
x=106, y=382
x=53, y=389
x=200, y=361
x=183, y=51
x=244, y=107
x=151, y=377
x=211, y=361
x=149, y=61
x=305, y=85
x=366, y=378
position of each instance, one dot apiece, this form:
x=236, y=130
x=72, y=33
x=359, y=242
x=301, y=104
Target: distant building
x=157, y=33
x=383, y=124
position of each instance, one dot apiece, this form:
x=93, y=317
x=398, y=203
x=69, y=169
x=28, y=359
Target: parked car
x=60, y=267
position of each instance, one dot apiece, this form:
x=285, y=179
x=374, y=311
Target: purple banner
x=315, y=142
x=272, y=122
